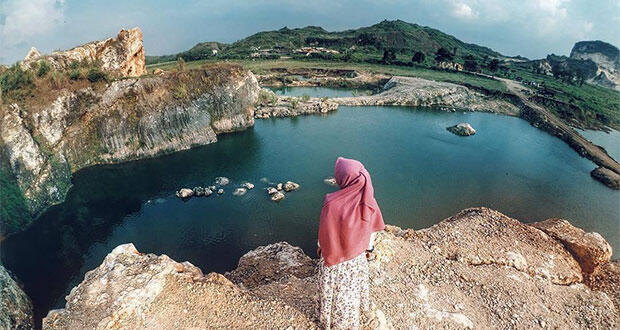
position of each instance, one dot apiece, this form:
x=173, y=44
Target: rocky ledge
x=273, y=105
x=409, y=91
x=123, y=120
x=478, y=269
x=15, y=306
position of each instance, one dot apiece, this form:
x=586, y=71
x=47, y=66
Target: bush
x=15, y=78
x=265, y=97
x=57, y=79
x=95, y=74
x=75, y=74
x=179, y=92
x=305, y=97
x=418, y=57
x=44, y=68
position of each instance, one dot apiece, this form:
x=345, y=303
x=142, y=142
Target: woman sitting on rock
x=349, y=219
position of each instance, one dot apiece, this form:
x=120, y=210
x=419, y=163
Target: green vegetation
x=14, y=214
x=179, y=92
x=201, y=51
x=265, y=97
x=96, y=74
x=44, y=68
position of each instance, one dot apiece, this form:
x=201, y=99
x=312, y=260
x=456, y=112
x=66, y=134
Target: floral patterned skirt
x=343, y=292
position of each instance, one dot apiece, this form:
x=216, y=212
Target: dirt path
x=544, y=119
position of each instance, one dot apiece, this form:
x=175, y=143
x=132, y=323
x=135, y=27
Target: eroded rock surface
x=476, y=270
x=122, y=56
x=608, y=177
x=15, y=306
x=410, y=91
x=292, y=106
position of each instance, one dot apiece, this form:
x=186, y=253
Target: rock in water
x=290, y=186
x=185, y=193
x=208, y=192
x=248, y=185
x=608, y=177
x=330, y=181
x=199, y=191
x=272, y=190
x=239, y=192
x=15, y=306
x=221, y=181
x=279, y=186
x=213, y=188
x=278, y=196
x=462, y=129
x=220, y=191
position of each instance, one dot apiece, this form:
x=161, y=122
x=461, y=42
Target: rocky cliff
x=122, y=56
x=478, y=269
x=607, y=60
x=15, y=306
x=120, y=121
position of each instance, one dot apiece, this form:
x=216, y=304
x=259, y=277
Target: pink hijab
x=350, y=215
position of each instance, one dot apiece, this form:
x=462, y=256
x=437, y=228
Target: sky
x=531, y=28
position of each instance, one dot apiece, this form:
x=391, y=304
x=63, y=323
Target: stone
x=608, y=177
x=248, y=185
x=331, y=181
x=214, y=188
x=199, y=191
x=290, y=186
x=462, y=129
x=15, y=306
x=277, y=196
x=185, y=193
x=239, y=192
x=158, y=71
x=606, y=278
x=220, y=191
x=221, y=181
x=590, y=250
x=33, y=53
x=272, y=190
x=208, y=192
x=122, y=56
x=279, y=186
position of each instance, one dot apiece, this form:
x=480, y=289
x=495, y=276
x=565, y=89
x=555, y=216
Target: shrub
x=95, y=74
x=418, y=57
x=180, y=92
x=15, y=78
x=57, y=79
x=389, y=56
x=75, y=74
x=266, y=97
x=44, y=68
x=305, y=97
x=294, y=103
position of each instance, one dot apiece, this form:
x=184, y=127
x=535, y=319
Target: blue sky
x=532, y=28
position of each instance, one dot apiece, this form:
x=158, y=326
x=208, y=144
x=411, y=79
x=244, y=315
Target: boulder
x=277, y=196
x=248, y=185
x=185, y=193
x=199, y=191
x=271, y=263
x=462, y=129
x=607, y=177
x=590, y=250
x=221, y=181
x=330, y=181
x=220, y=191
x=272, y=190
x=607, y=279
x=213, y=188
x=33, y=53
x=279, y=186
x=239, y=192
x=15, y=306
x=158, y=71
x=290, y=186
x=208, y=192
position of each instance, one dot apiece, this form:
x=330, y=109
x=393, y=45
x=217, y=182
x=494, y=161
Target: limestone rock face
x=605, y=56
x=122, y=56
x=589, y=249
x=418, y=92
x=292, y=106
x=125, y=120
x=476, y=270
x=15, y=306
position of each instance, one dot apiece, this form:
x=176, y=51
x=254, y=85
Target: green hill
x=400, y=36
x=200, y=51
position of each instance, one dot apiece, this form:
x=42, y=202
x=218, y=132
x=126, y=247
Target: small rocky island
x=476, y=270
x=462, y=129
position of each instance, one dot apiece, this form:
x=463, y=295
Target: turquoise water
x=421, y=172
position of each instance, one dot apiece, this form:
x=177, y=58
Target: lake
x=421, y=173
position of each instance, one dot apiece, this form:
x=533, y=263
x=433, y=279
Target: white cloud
x=463, y=10
x=25, y=19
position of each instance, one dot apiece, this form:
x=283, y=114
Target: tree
x=443, y=55
x=418, y=57
x=389, y=56
x=470, y=64
x=493, y=65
